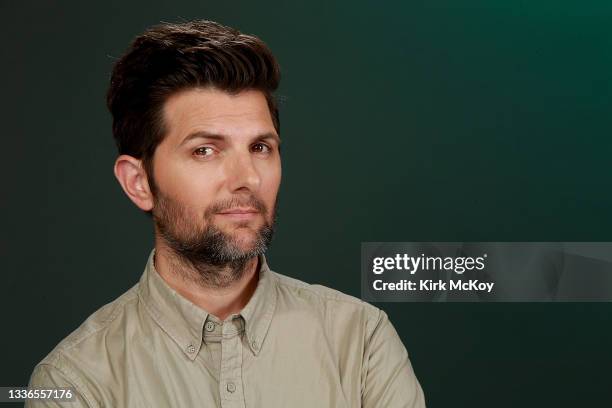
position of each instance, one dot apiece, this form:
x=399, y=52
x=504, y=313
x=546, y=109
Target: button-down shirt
x=293, y=345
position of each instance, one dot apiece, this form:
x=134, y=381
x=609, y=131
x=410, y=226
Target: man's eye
x=204, y=151
x=261, y=148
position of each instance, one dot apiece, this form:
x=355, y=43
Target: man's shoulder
x=320, y=295
x=96, y=326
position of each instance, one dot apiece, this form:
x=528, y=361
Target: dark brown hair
x=168, y=58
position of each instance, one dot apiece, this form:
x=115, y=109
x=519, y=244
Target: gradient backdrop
x=401, y=121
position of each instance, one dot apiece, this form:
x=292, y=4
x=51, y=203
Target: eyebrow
x=203, y=134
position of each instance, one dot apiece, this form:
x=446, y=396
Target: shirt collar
x=183, y=321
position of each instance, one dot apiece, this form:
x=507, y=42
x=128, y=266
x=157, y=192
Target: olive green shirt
x=293, y=345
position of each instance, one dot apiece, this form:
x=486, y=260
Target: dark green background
x=402, y=121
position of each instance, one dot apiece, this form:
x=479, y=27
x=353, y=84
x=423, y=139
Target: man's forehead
x=211, y=111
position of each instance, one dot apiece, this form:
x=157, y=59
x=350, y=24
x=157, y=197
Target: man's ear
x=133, y=179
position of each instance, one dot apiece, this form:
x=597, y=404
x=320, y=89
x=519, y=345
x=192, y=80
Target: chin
x=244, y=238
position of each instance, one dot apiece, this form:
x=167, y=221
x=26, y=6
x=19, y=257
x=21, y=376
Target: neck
x=219, y=290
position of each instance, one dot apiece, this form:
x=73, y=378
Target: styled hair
x=172, y=57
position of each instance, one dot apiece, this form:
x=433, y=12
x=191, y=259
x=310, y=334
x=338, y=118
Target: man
x=209, y=324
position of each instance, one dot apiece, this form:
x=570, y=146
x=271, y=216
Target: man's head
x=197, y=129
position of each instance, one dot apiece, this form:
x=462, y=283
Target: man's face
x=217, y=174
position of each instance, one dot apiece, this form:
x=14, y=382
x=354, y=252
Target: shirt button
x=209, y=326
x=191, y=349
x=231, y=387
x=255, y=345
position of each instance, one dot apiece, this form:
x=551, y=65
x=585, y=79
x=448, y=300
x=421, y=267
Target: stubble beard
x=208, y=256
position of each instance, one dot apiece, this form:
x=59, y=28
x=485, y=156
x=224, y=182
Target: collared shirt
x=293, y=345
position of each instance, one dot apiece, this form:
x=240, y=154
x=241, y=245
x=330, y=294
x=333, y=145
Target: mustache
x=251, y=201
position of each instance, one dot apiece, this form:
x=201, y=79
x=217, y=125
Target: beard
x=206, y=254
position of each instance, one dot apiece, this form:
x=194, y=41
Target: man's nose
x=242, y=173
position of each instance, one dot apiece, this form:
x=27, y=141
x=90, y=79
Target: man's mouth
x=245, y=213
x=239, y=210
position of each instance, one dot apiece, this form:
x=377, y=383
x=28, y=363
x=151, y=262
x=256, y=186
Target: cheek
x=187, y=186
x=271, y=187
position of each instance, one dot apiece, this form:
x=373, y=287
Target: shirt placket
x=230, y=377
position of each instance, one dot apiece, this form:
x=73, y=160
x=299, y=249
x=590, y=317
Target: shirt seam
x=366, y=348
x=119, y=308
x=379, y=319
x=307, y=287
x=72, y=381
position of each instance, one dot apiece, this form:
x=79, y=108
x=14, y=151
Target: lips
x=240, y=211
